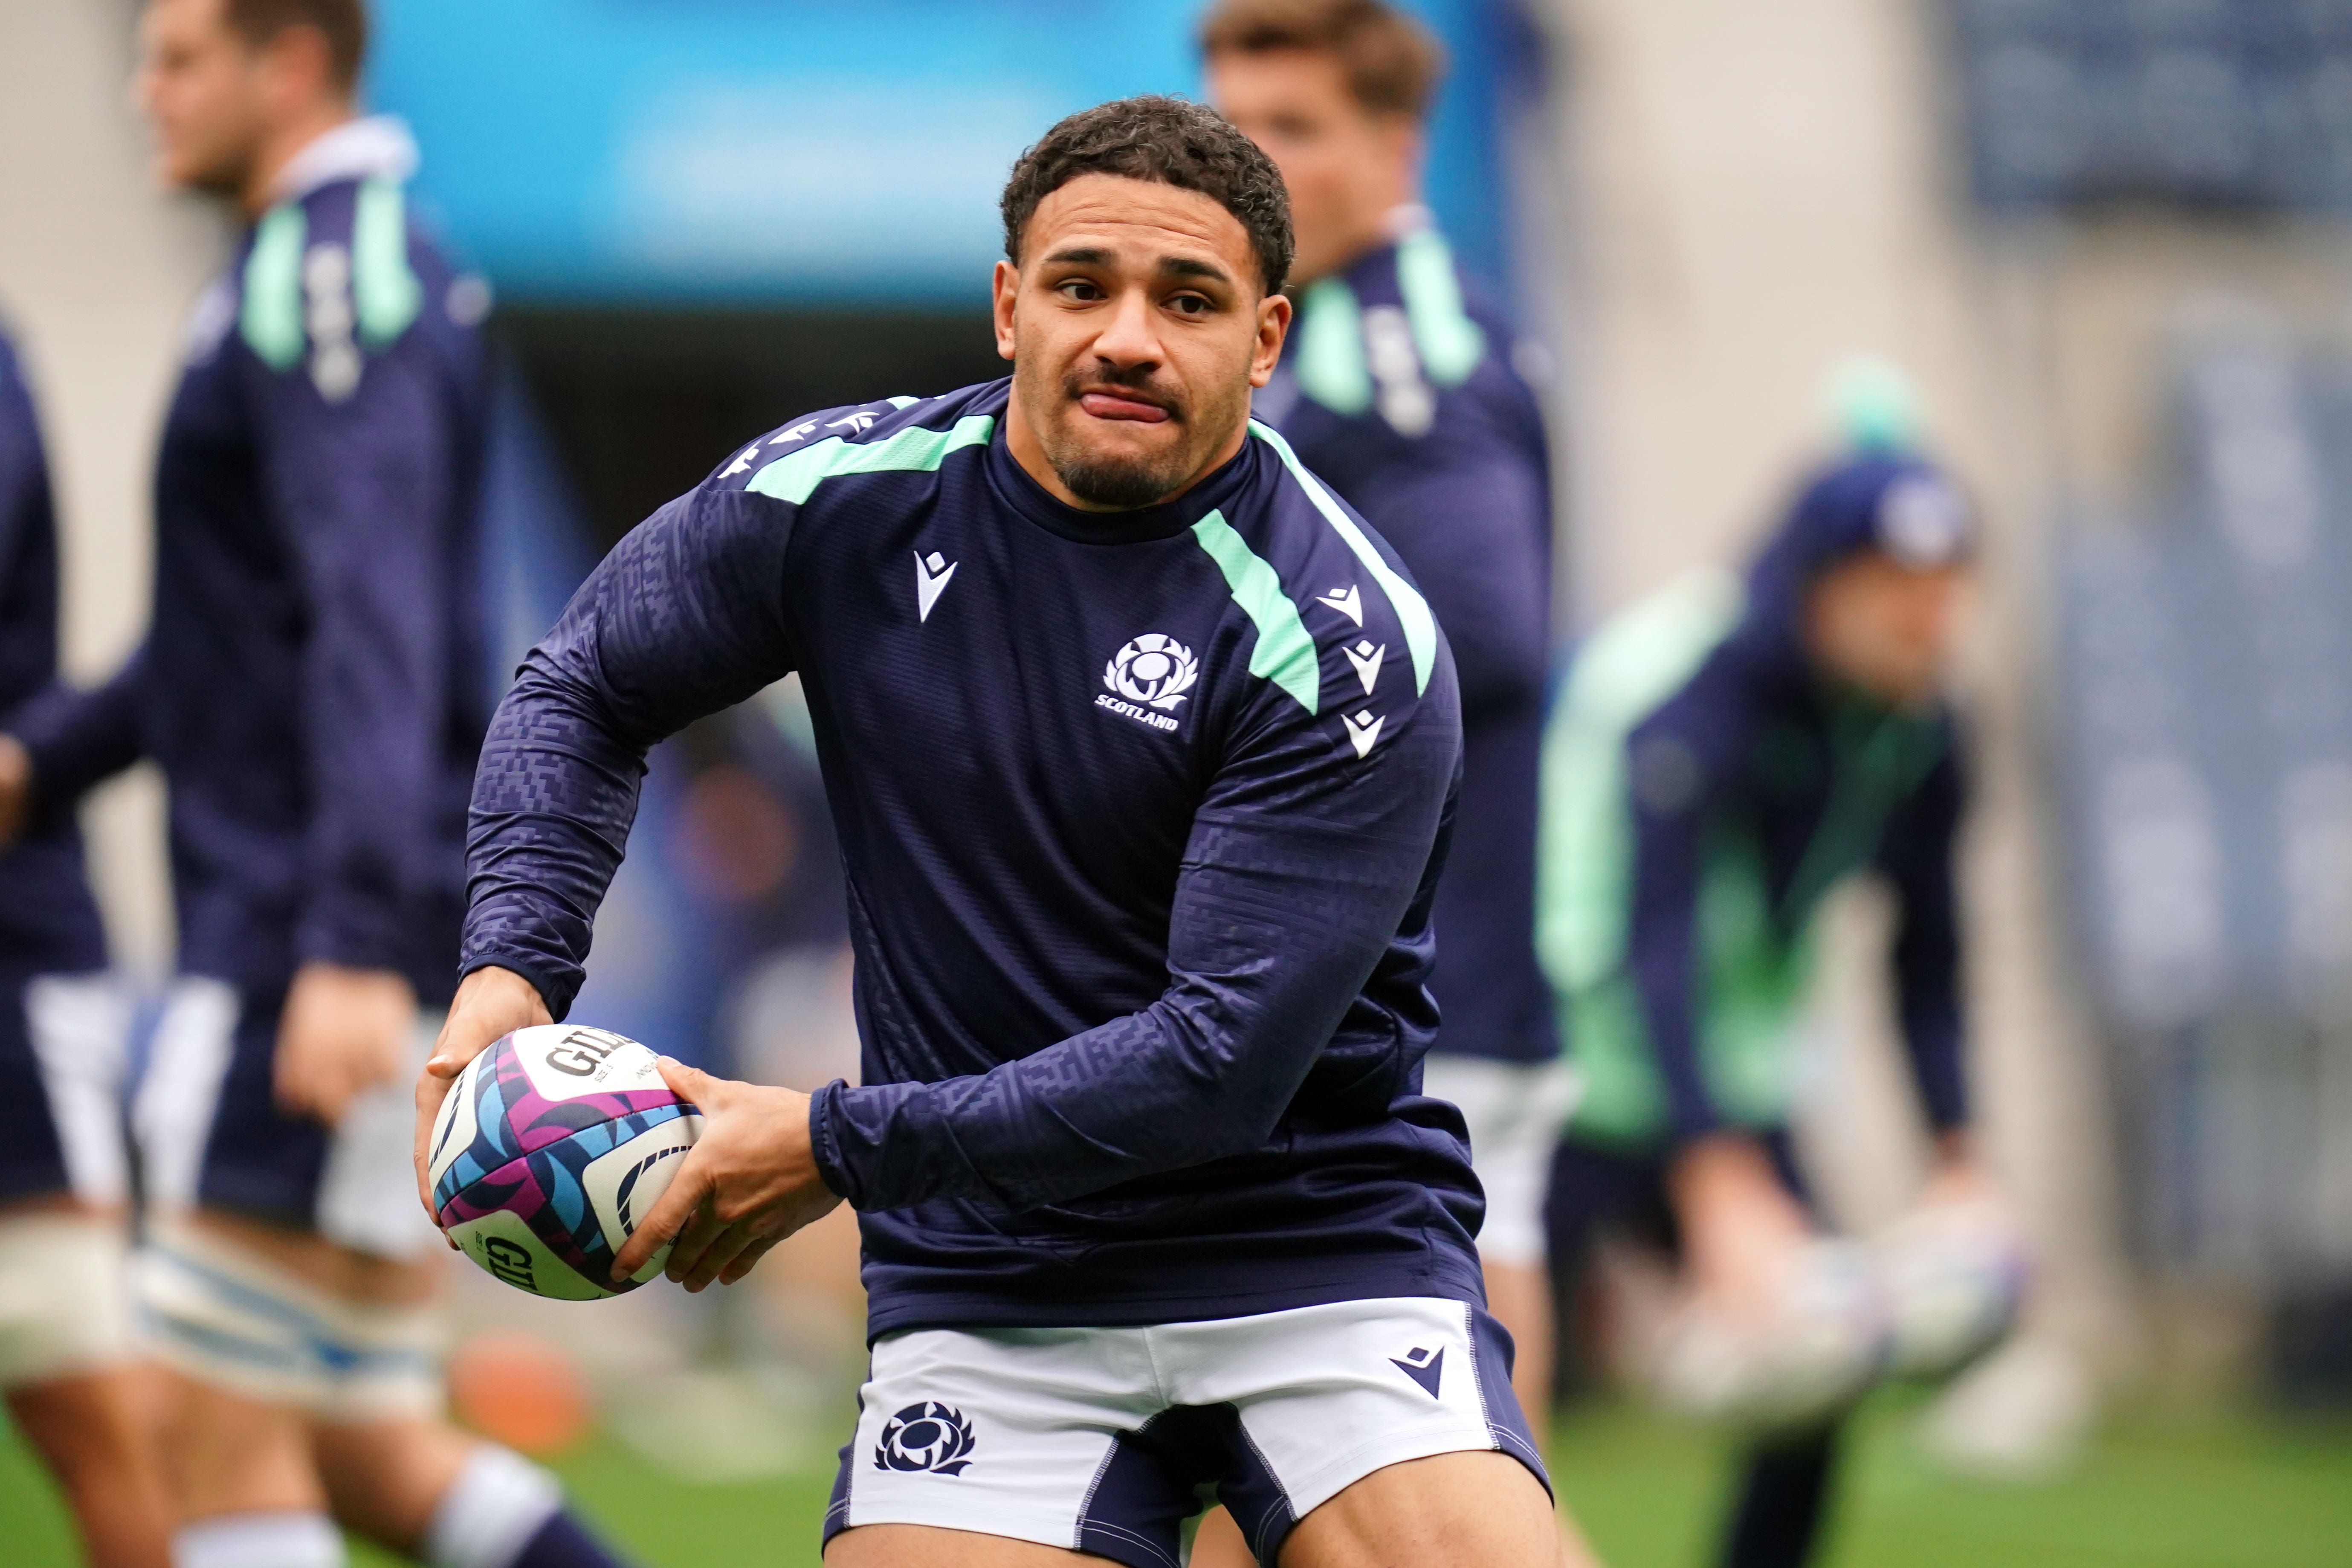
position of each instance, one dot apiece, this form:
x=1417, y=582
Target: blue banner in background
x=778, y=151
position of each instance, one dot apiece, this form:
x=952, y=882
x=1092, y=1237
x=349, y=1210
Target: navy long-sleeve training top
x=311, y=680
x=1397, y=386
x=1707, y=787
x=1140, y=814
x=48, y=921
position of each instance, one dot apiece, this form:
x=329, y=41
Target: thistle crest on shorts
x=925, y=1437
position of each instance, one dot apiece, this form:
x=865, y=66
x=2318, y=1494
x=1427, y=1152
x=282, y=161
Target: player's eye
x=1079, y=290
x=1189, y=305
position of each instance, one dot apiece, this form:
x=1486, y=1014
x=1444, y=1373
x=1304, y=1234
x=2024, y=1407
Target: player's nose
x=1128, y=339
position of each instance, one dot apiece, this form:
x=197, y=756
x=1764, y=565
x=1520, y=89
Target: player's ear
x=1273, y=325
x=1007, y=289
x=297, y=66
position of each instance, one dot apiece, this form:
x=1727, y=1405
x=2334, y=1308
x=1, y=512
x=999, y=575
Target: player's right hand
x=15, y=788
x=490, y=1003
x=1743, y=1234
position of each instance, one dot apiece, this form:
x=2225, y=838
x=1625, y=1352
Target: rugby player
x=1397, y=386
x=311, y=687
x=1724, y=755
x=1140, y=867
x=65, y=1319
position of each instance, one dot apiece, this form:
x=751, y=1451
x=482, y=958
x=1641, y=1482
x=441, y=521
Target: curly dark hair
x=1168, y=139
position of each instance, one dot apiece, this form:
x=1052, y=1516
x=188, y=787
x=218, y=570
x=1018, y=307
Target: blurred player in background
x=1140, y=863
x=65, y=1318
x=1724, y=756
x=312, y=685
x=1398, y=390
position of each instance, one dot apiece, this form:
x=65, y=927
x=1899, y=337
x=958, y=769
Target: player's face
x=1347, y=168
x=204, y=89
x=1884, y=628
x=1136, y=325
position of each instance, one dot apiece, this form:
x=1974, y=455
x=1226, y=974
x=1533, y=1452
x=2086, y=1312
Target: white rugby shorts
x=1108, y=1440
x=1515, y=1112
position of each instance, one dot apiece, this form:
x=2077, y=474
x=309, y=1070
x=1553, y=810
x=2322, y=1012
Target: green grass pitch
x=2212, y=1492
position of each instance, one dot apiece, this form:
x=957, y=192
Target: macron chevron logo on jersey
x=1349, y=601
x=1363, y=730
x=931, y=574
x=1366, y=657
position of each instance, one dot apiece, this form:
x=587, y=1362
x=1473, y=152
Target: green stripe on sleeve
x=796, y=474
x=385, y=294
x=270, y=318
x=1451, y=343
x=1411, y=610
x=1284, y=653
x=1332, y=368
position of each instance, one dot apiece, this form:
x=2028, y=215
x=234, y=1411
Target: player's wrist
x=824, y=1145
x=1730, y=1202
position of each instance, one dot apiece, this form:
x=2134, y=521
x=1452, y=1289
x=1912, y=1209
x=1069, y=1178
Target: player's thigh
x=223, y=1452
x=85, y=1426
x=213, y=1135
x=384, y=1477
x=925, y=1546
x=1449, y=1510
x=1218, y=1543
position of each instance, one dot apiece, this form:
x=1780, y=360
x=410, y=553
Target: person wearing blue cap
x=1723, y=755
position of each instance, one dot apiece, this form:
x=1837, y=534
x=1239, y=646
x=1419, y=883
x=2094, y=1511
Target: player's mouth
x=1123, y=402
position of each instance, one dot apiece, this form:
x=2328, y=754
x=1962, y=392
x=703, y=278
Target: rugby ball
x=550, y=1148
x=1954, y=1277
x=1818, y=1352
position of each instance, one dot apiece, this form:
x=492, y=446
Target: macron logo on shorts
x=1423, y=1365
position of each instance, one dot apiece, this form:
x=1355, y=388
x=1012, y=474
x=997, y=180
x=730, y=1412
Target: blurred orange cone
x=519, y=1390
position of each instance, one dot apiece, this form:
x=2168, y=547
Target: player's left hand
x=750, y=1181
x=343, y=1031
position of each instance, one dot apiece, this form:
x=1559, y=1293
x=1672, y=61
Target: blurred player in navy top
x=1397, y=386
x=1726, y=753
x=310, y=685
x=1141, y=748
x=64, y=1316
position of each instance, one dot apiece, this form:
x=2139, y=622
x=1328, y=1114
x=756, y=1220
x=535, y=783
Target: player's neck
x=281, y=145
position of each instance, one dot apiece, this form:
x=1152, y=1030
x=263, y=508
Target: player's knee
x=63, y=1301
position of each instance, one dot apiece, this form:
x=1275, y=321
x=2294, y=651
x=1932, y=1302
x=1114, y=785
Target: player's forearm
x=554, y=794
x=682, y=619
x=1144, y=1094
x=1267, y=967
x=75, y=738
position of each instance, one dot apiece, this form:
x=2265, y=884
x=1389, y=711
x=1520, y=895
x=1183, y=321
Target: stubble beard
x=1126, y=483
